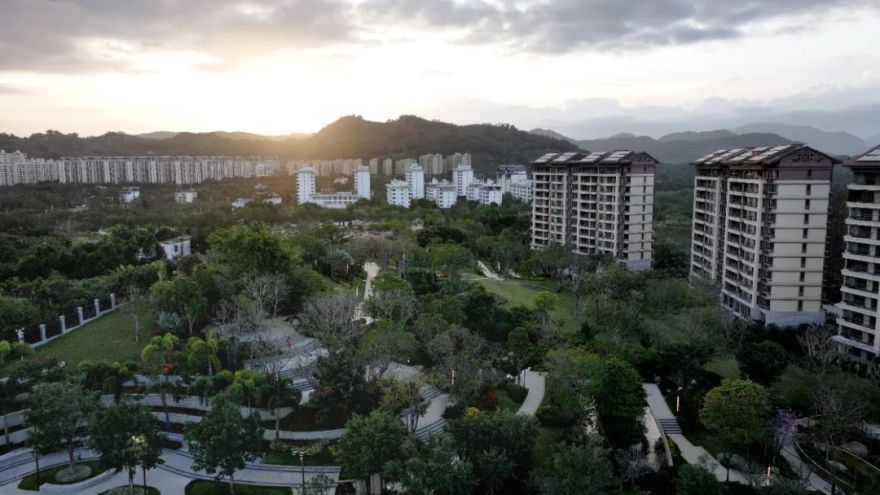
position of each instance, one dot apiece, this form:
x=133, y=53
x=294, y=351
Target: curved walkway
x=535, y=383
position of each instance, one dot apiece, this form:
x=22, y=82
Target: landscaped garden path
x=534, y=382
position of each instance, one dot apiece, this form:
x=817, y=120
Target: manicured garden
x=203, y=487
x=61, y=475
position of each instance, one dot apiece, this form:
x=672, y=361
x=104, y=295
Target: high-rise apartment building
x=402, y=165
x=374, y=166
x=857, y=326
x=456, y=160
x=432, y=164
x=415, y=178
x=362, y=182
x=595, y=203
x=387, y=167
x=17, y=168
x=760, y=218
x=462, y=177
x=305, y=185
x=398, y=193
x=521, y=191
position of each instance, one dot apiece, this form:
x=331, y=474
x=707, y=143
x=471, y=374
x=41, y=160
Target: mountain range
x=348, y=137
x=682, y=147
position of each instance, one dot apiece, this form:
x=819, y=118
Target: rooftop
x=870, y=157
x=763, y=155
x=619, y=157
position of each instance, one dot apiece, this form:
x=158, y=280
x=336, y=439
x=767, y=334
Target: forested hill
x=348, y=137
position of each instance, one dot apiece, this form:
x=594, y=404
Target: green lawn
x=521, y=293
x=203, y=487
x=138, y=490
x=725, y=367
x=32, y=483
x=110, y=338
x=505, y=402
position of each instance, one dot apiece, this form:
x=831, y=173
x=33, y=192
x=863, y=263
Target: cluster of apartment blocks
x=511, y=179
x=17, y=168
x=759, y=231
x=432, y=164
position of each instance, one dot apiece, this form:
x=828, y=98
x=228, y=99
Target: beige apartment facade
x=858, y=322
x=595, y=203
x=759, y=226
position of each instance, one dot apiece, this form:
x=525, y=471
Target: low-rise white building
x=240, y=203
x=185, y=197
x=174, y=248
x=398, y=193
x=338, y=200
x=490, y=193
x=129, y=194
x=274, y=200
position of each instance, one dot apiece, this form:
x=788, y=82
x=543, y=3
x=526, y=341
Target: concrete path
x=535, y=383
x=691, y=453
x=372, y=270
x=816, y=482
x=487, y=272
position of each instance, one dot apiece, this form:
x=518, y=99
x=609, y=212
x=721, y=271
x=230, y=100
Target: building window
x=807, y=219
x=803, y=275
x=809, y=189
x=801, y=291
x=806, y=204
x=806, y=233
x=800, y=306
x=803, y=262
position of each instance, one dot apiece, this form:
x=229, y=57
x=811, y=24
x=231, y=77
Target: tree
x=202, y=353
x=736, y=412
x=126, y=434
x=544, y=302
x=763, y=362
x=158, y=361
x=133, y=307
x=450, y=258
x=404, y=398
x=521, y=348
x=620, y=401
x=394, y=304
x=499, y=444
x=280, y=394
x=383, y=345
x=553, y=260
x=181, y=295
x=267, y=291
x=568, y=383
x=251, y=249
x=338, y=260
x=432, y=468
x=56, y=413
x=583, y=468
x=224, y=440
x=330, y=318
x=696, y=480
x=369, y=443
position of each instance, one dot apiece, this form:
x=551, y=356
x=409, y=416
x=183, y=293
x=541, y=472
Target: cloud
x=63, y=35
x=560, y=26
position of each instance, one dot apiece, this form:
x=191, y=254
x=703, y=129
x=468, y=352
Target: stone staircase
x=670, y=426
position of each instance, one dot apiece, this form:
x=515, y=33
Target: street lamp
x=302, y=469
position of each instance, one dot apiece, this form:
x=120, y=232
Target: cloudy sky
x=589, y=67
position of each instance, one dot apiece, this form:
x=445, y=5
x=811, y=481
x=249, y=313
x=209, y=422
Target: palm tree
x=157, y=361
x=281, y=394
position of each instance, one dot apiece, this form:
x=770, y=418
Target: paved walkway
x=691, y=453
x=535, y=383
x=487, y=272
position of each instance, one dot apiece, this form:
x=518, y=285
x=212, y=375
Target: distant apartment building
x=456, y=160
x=374, y=166
x=387, y=167
x=510, y=174
x=362, y=182
x=17, y=168
x=521, y=191
x=759, y=228
x=241, y=203
x=857, y=325
x=273, y=199
x=305, y=185
x=402, y=165
x=462, y=177
x=442, y=193
x=336, y=200
x=398, y=193
x=432, y=164
x=415, y=179
x=185, y=197
x=177, y=247
x=595, y=203
x=159, y=169
x=473, y=191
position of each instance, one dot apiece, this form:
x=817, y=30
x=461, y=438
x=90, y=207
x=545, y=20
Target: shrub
x=551, y=416
x=516, y=392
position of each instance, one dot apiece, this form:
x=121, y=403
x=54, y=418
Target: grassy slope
x=107, y=338
x=521, y=292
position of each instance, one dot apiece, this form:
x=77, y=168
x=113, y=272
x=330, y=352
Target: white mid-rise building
x=177, y=247
x=490, y=193
x=338, y=200
x=473, y=191
x=273, y=199
x=510, y=174
x=462, y=177
x=415, y=178
x=398, y=193
x=305, y=185
x=362, y=182
x=859, y=320
x=241, y=203
x=595, y=203
x=759, y=228
x=521, y=191
x=185, y=197
x=442, y=193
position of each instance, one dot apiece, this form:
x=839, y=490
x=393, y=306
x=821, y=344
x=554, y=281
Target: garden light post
x=302, y=469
